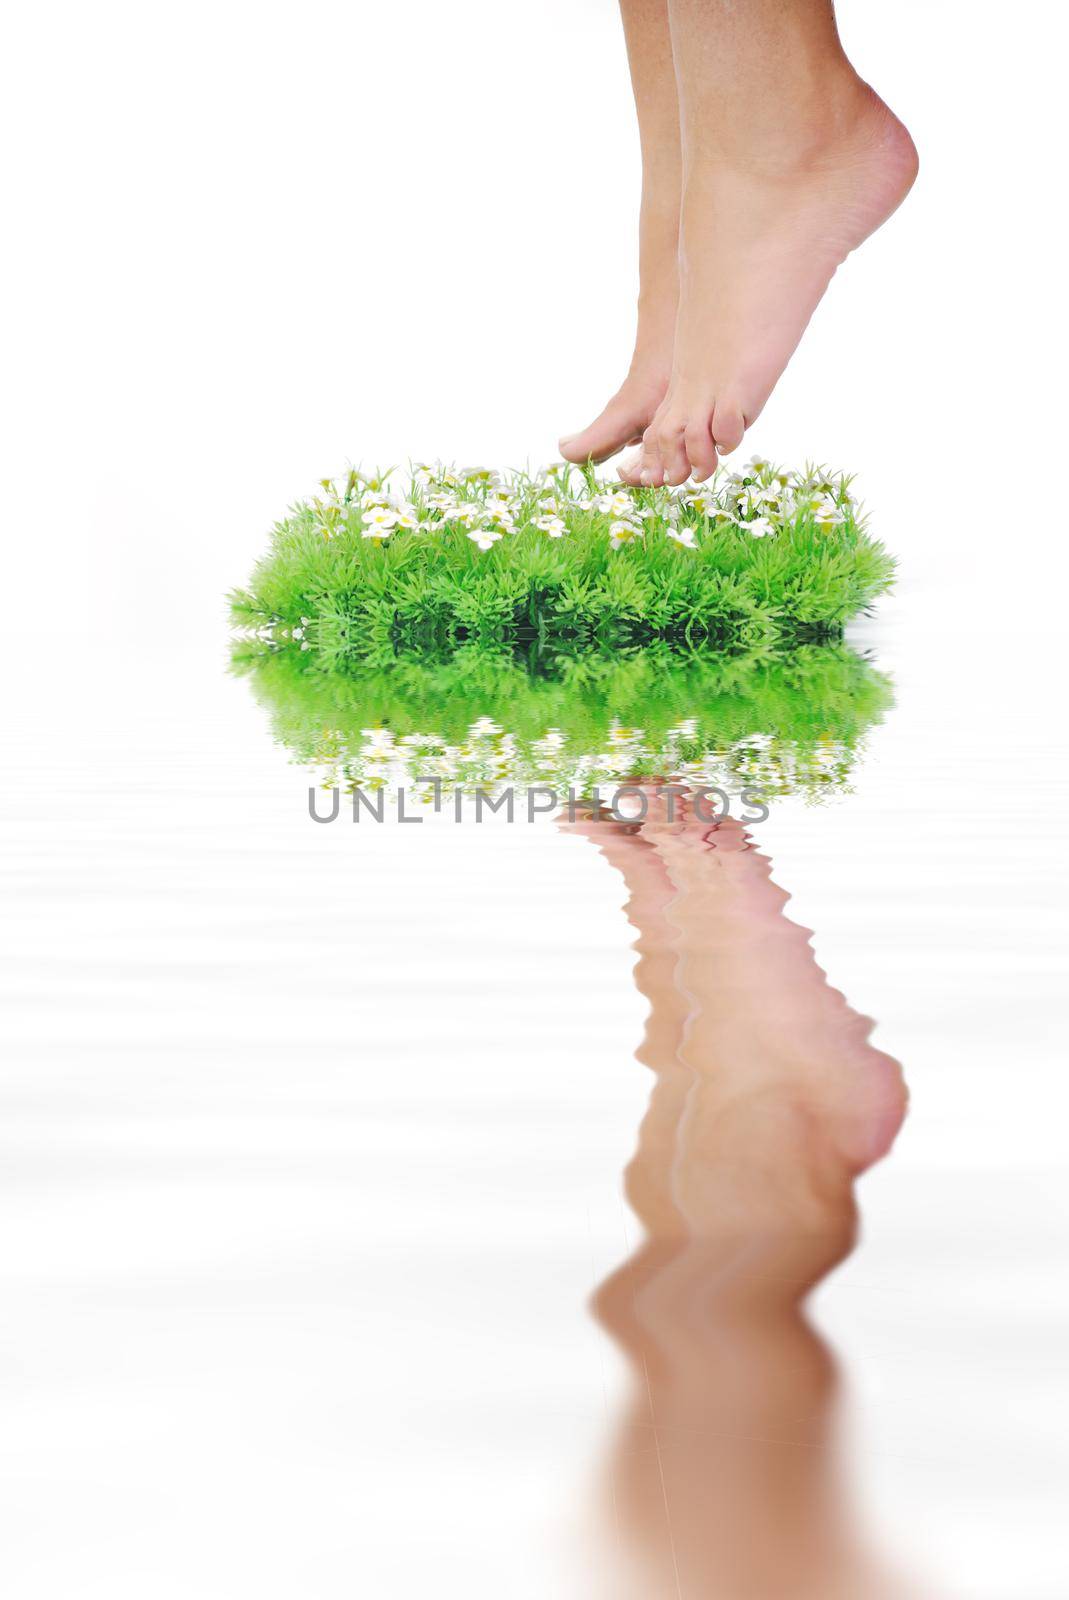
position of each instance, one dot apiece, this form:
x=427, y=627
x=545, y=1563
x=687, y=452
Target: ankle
x=820, y=124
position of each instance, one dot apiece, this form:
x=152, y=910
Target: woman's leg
x=790, y=161
x=628, y=413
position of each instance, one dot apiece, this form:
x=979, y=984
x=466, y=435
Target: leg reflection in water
x=769, y=1101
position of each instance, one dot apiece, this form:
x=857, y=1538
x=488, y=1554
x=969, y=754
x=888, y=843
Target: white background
x=244, y=246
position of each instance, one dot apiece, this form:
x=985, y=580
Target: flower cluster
x=490, y=756
x=758, y=501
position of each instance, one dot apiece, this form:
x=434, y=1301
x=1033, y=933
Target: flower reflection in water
x=781, y=722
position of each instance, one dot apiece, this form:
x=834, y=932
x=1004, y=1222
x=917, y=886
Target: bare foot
x=762, y=235
x=628, y=413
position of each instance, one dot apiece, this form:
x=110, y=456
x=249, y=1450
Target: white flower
x=484, y=537
x=682, y=536
x=466, y=512
x=703, y=501
x=379, y=522
x=623, y=532
x=441, y=502
x=407, y=516
x=375, y=501
x=758, y=527
x=826, y=511
x=617, y=504
x=556, y=527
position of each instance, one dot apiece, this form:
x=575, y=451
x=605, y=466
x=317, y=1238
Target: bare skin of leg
x=768, y=1102
x=628, y=413
x=790, y=161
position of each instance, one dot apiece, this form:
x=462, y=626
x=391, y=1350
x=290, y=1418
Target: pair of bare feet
x=766, y=161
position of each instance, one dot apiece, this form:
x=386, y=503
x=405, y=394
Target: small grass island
x=753, y=559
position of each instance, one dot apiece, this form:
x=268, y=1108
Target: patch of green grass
x=755, y=559
x=789, y=721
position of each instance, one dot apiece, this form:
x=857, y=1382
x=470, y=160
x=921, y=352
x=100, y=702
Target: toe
x=729, y=425
x=701, y=451
x=630, y=468
x=675, y=463
x=650, y=467
x=620, y=423
x=602, y=439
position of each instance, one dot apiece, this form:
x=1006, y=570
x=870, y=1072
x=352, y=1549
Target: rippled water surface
x=319, y=1277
